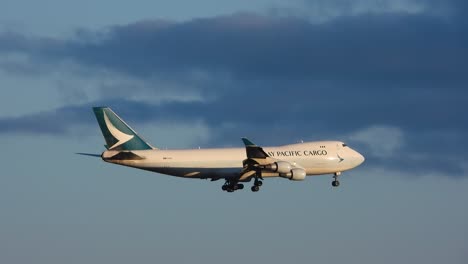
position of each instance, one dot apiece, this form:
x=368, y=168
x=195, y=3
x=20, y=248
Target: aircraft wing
x=259, y=161
x=253, y=151
x=256, y=157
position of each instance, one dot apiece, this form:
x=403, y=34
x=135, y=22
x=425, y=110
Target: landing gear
x=231, y=187
x=335, y=182
x=257, y=184
x=255, y=188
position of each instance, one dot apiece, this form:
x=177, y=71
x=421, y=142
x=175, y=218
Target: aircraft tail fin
x=118, y=135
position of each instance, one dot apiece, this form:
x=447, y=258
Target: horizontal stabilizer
x=89, y=154
x=120, y=155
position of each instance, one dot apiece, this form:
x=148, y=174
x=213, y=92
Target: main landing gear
x=231, y=186
x=257, y=181
x=335, y=182
x=256, y=186
x=234, y=185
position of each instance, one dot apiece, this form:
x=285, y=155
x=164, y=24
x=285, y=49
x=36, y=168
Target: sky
x=389, y=78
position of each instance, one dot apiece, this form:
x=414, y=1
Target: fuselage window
x=344, y=145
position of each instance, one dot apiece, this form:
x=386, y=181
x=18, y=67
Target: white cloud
x=321, y=11
x=383, y=141
x=151, y=90
x=24, y=93
x=30, y=86
x=175, y=135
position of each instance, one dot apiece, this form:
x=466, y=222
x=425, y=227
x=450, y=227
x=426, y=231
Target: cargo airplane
x=234, y=165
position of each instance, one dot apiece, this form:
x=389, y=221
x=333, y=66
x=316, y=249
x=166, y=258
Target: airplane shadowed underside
x=234, y=165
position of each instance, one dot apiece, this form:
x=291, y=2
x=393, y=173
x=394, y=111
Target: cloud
x=389, y=147
x=393, y=82
x=384, y=146
x=250, y=46
x=54, y=122
x=383, y=141
x=321, y=11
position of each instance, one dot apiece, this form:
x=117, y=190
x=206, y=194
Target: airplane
x=234, y=165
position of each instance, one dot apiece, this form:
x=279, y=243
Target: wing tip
x=248, y=143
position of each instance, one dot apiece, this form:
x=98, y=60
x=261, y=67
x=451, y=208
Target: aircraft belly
x=198, y=173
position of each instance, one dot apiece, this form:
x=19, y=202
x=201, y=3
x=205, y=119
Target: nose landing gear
x=335, y=182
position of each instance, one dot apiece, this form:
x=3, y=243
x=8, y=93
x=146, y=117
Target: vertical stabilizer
x=118, y=135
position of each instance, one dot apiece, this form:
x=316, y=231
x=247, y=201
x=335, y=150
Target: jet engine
x=281, y=167
x=295, y=175
x=286, y=170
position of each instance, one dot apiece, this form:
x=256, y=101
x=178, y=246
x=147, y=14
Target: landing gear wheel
x=255, y=188
x=230, y=190
x=240, y=186
x=224, y=187
x=335, y=183
x=259, y=183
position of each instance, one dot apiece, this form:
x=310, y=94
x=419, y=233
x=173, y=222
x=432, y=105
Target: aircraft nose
x=359, y=158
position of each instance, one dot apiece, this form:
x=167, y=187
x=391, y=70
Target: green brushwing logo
x=121, y=137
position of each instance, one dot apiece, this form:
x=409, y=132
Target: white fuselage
x=321, y=157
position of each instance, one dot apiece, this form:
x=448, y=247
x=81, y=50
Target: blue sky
x=387, y=77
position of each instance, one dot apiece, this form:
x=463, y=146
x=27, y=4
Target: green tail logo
x=118, y=135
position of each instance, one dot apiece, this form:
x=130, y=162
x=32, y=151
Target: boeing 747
x=234, y=165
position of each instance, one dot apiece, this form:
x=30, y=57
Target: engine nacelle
x=296, y=175
x=281, y=167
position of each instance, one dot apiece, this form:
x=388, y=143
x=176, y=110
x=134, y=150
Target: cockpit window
x=344, y=145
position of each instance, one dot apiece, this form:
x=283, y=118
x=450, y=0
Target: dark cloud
x=53, y=122
x=285, y=78
x=255, y=47
x=248, y=46
x=439, y=153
